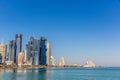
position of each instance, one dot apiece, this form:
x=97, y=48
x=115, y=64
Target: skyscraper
x=11, y=54
x=35, y=52
x=42, y=53
x=18, y=39
x=3, y=51
x=48, y=53
x=31, y=44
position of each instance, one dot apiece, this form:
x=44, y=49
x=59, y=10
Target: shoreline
x=37, y=66
x=43, y=66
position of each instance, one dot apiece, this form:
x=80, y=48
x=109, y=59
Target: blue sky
x=78, y=30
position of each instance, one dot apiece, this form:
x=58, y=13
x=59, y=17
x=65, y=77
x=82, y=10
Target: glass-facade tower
x=42, y=53
x=18, y=39
x=12, y=56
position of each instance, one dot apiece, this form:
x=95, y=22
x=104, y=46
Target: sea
x=106, y=73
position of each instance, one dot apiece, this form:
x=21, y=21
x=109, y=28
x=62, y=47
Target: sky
x=78, y=30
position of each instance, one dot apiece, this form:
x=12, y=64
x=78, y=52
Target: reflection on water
x=24, y=74
x=60, y=74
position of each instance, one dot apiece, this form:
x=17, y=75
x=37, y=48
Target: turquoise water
x=61, y=74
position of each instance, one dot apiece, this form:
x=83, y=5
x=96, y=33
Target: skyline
x=36, y=52
x=77, y=30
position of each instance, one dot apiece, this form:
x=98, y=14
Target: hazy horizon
x=78, y=30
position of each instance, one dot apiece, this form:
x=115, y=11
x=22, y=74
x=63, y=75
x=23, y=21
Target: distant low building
x=52, y=61
x=9, y=62
x=62, y=62
x=89, y=64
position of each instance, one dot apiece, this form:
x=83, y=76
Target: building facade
x=3, y=51
x=0, y=58
x=20, y=58
x=48, y=54
x=25, y=57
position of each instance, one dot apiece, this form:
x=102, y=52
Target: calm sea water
x=61, y=74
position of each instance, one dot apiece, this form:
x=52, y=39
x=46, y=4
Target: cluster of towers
x=37, y=51
x=15, y=46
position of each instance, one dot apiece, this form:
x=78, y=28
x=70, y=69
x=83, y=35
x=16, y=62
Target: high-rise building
x=10, y=51
x=48, y=53
x=3, y=51
x=11, y=54
x=36, y=52
x=18, y=39
x=42, y=53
